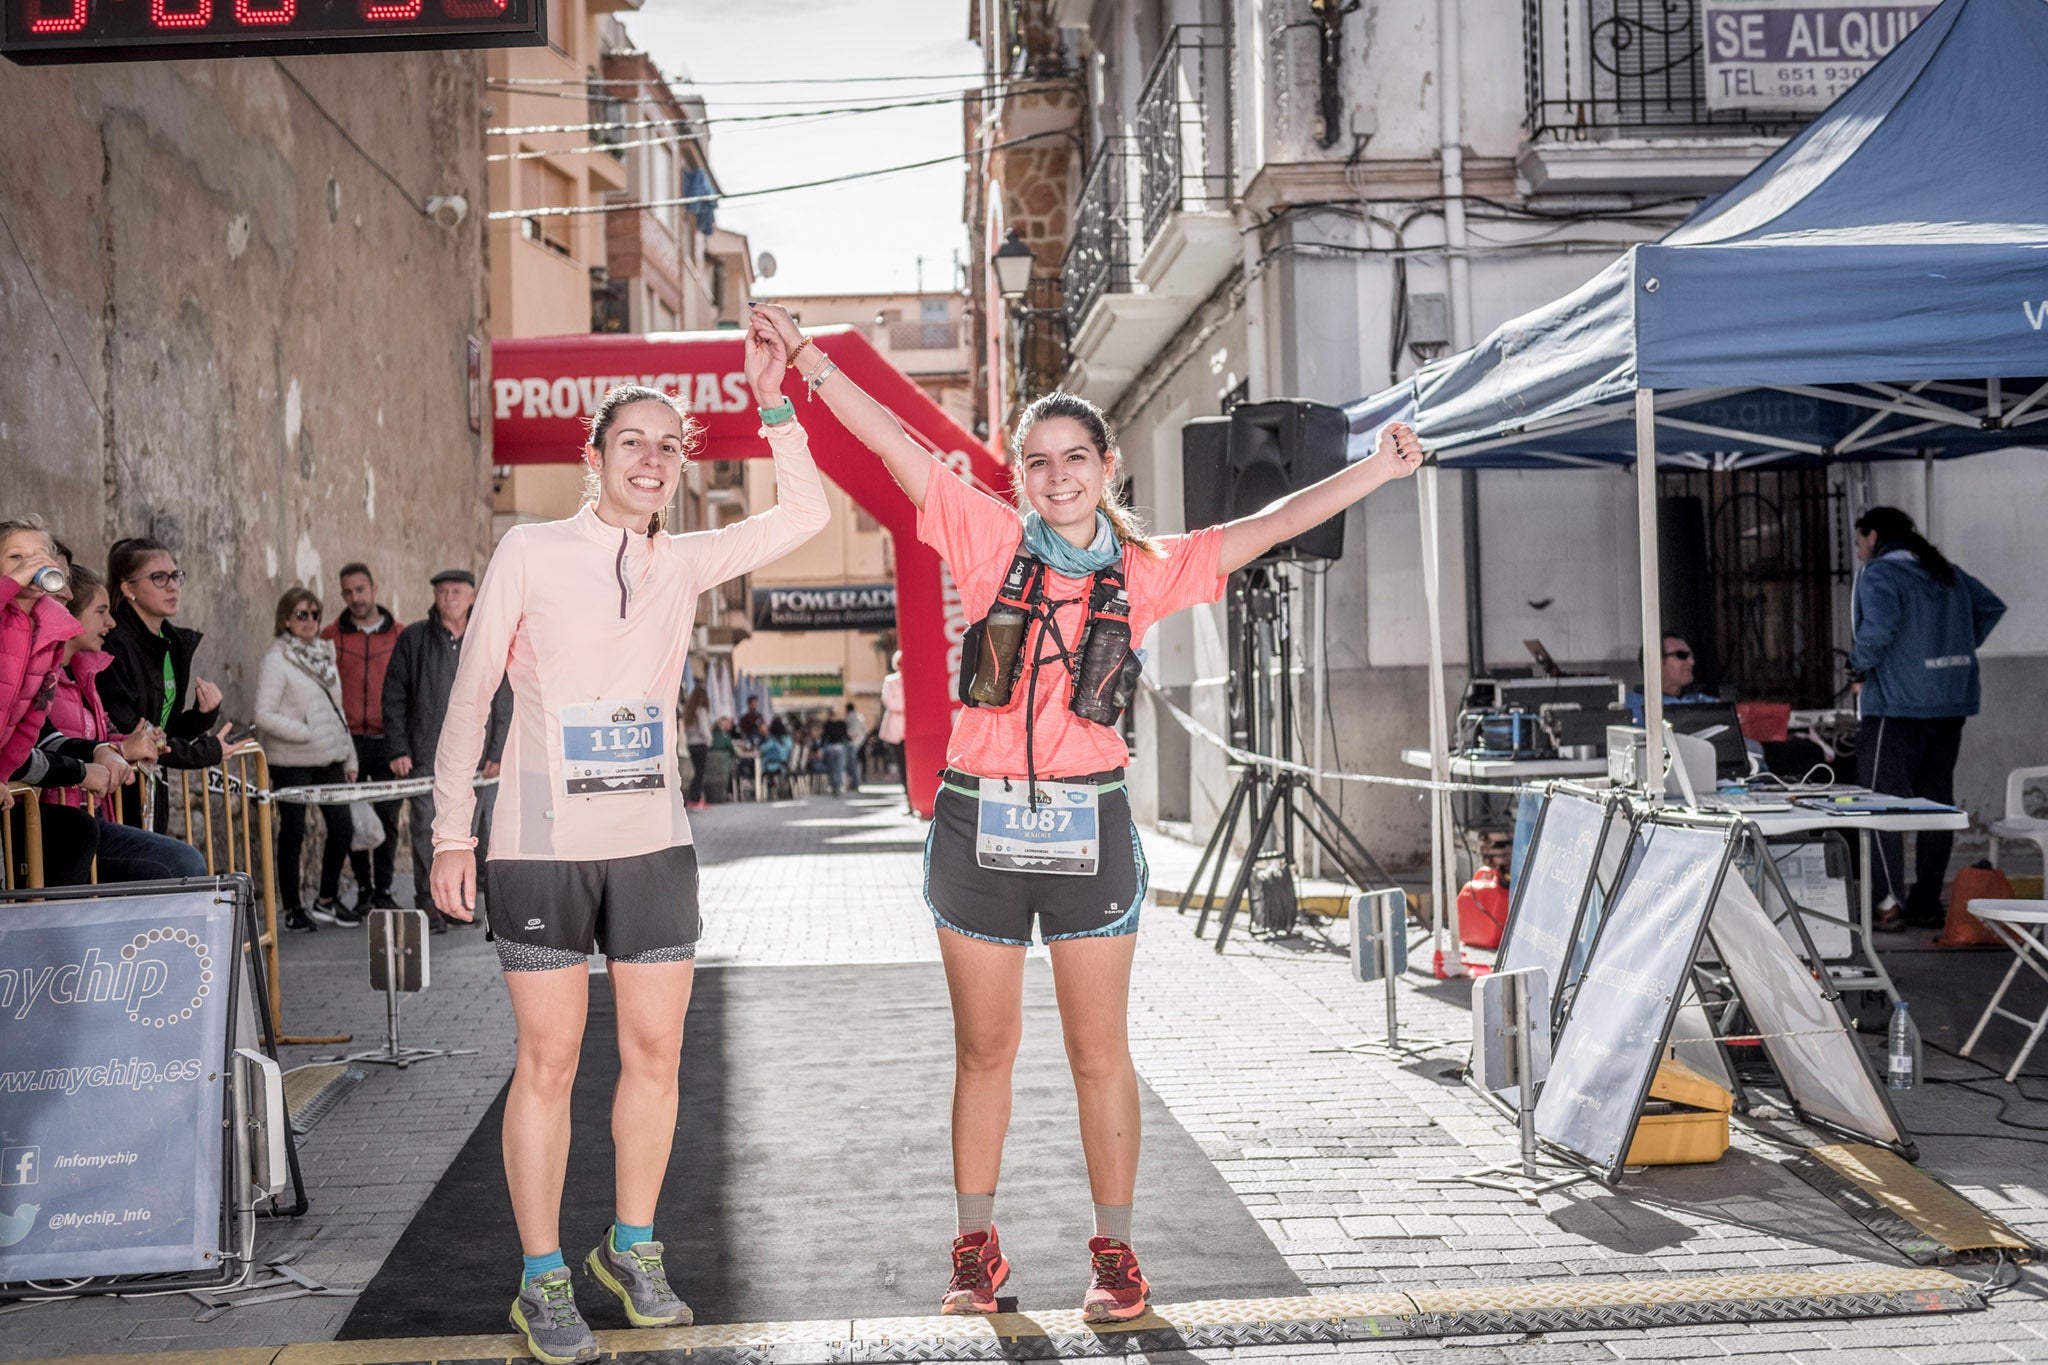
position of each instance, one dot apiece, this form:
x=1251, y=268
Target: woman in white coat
x=299, y=716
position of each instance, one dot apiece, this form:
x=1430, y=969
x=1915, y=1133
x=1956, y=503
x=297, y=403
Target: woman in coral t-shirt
x=1032, y=821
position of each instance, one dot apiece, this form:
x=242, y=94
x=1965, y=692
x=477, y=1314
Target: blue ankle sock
x=624, y=1235
x=541, y=1265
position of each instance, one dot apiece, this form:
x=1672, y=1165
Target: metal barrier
x=225, y=812
x=28, y=871
x=239, y=839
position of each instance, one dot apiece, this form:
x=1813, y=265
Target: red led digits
x=473, y=9
x=400, y=10
x=254, y=15
x=40, y=21
x=161, y=14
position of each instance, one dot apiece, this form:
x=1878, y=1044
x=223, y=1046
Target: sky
x=864, y=236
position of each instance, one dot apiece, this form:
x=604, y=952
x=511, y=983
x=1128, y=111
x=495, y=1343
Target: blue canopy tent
x=1876, y=289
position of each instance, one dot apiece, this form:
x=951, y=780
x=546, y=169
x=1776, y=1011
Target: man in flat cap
x=416, y=688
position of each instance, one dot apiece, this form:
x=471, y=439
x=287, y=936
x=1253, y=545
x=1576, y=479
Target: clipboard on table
x=1874, y=803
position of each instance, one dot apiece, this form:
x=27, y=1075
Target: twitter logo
x=17, y=1225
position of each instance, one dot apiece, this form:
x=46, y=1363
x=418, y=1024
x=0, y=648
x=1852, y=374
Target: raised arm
x=909, y=463
x=1245, y=539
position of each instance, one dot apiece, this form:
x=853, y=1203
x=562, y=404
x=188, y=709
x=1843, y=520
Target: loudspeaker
x=1237, y=465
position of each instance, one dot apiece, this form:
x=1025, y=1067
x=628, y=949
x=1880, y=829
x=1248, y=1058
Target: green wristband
x=785, y=411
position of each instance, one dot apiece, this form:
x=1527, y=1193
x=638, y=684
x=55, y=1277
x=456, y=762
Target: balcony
x=605, y=109
x=1616, y=101
x=1185, y=119
x=1113, y=329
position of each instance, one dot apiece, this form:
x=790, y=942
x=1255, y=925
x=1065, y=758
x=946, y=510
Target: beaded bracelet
x=798, y=351
x=824, y=372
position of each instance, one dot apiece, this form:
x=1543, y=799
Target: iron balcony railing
x=1184, y=126
x=1038, y=356
x=1098, y=259
x=605, y=109
x=918, y=335
x=1595, y=68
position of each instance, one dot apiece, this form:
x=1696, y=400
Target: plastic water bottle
x=1899, y=1068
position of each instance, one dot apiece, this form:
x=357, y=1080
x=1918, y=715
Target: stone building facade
x=231, y=324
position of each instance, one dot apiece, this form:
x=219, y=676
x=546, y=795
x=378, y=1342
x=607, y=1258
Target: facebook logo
x=18, y=1165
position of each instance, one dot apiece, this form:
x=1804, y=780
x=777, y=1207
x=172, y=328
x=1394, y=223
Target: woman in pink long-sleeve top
x=590, y=845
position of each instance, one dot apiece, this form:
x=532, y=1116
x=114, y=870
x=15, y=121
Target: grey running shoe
x=641, y=1283
x=545, y=1312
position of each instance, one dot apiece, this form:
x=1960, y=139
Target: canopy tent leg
x=1652, y=776
x=1440, y=852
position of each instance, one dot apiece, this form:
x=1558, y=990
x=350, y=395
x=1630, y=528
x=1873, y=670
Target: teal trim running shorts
x=546, y=913
x=999, y=905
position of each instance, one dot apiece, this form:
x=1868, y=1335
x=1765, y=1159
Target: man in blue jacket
x=1919, y=621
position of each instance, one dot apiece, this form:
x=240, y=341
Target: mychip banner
x=114, y=1018
x=852, y=606
x=1797, y=55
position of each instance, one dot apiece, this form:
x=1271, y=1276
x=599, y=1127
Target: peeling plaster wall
x=226, y=327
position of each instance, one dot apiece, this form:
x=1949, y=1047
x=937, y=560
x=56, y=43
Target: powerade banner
x=860, y=606
x=113, y=1033
x=1797, y=54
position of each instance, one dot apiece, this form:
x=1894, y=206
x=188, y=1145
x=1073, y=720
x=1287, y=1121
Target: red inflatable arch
x=544, y=389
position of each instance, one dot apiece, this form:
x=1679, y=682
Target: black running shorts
x=547, y=913
x=998, y=904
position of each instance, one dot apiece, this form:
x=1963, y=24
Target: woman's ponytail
x=1895, y=529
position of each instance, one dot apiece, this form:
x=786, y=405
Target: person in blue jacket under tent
x=1919, y=621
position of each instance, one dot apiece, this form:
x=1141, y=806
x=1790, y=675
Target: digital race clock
x=110, y=30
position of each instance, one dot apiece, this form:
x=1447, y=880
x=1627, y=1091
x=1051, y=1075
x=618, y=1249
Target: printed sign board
x=852, y=606
x=1551, y=889
x=1614, y=1035
x=114, y=1019
x=1823, y=1066
x=1797, y=55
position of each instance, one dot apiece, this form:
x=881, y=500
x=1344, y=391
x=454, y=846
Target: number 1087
x=1037, y=821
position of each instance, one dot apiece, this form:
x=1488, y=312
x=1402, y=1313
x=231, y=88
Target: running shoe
x=296, y=921
x=545, y=1313
x=1119, y=1291
x=641, y=1283
x=330, y=912
x=979, y=1269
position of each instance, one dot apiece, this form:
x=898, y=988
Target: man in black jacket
x=417, y=684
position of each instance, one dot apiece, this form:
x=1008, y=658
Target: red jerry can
x=1483, y=909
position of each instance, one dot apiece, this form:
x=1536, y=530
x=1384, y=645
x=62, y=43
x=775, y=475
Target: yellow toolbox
x=1685, y=1121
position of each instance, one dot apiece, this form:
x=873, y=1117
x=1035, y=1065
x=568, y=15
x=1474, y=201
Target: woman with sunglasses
x=151, y=673
x=298, y=713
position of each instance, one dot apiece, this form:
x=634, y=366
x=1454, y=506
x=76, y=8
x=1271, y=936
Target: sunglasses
x=162, y=578
x=1678, y=654
x=306, y=614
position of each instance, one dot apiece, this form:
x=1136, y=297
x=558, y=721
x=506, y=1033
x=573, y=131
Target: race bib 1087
x=1060, y=833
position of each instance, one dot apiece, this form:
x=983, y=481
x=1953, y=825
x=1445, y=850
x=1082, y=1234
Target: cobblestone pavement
x=1327, y=1147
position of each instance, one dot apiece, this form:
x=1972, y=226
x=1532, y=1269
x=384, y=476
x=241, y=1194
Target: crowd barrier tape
x=1246, y=756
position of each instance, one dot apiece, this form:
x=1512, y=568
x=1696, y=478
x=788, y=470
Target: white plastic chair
x=2020, y=924
x=2017, y=824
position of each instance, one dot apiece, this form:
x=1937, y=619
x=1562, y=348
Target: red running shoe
x=1119, y=1291
x=979, y=1269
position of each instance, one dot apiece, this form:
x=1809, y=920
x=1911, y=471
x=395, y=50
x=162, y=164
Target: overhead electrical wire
x=579, y=210
x=920, y=103
x=755, y=80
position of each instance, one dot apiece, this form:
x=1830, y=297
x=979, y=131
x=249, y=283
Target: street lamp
x=1013, y=261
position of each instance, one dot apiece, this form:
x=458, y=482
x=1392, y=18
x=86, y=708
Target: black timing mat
x=811, y=1176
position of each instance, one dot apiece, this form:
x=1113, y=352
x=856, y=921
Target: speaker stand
x=1274, y=800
